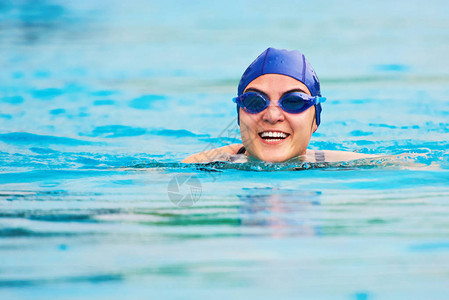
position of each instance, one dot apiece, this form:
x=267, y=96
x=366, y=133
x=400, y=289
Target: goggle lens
x=294, y=104
x=253, y=103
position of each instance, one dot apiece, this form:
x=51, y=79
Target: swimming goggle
x=293, y=103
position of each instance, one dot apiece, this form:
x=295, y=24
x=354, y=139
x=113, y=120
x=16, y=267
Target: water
x=100, y=103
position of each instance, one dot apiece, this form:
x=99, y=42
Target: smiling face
x=274, y=135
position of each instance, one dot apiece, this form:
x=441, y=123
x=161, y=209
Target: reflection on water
x=282, y=212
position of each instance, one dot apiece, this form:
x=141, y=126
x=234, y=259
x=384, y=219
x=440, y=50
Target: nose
x=273, y=114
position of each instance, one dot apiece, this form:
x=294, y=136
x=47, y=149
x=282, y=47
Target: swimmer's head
x=284, y=62
x=275, y=128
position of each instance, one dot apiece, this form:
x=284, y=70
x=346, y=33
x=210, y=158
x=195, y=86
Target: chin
x=272, y=157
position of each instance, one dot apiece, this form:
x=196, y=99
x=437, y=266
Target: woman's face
x=263, y=133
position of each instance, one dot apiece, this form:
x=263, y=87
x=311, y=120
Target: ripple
x=57, y=111
x=103, y=93
x=43, y=151
x=12, y=100
x=31, y=138
x=360, y=133
x=174, y=133
x=22, y=232
x=47, y=94
x=6, y=116
x=146, y=101
x=115, y=131
x=442, y=246
x=58, y=215
x=393, y=67
x=97, y=278
x=104, y=102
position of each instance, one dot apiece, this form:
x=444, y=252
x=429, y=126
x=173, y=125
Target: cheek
x=247, y=121
x=248, y=130
x=302, y=123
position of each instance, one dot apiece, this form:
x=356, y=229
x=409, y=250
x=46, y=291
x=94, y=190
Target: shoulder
x=209, y=155
x=334, y=156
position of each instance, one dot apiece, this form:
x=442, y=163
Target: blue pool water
x=100, y=103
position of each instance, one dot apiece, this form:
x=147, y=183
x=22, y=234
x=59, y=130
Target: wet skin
x=297, y=127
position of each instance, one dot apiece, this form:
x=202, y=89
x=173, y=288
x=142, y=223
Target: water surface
x=100, y=103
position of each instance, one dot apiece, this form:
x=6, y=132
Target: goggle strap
x=320, y=100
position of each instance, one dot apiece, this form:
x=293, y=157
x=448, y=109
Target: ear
x=314, y=125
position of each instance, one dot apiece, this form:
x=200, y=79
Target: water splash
x=402, y=161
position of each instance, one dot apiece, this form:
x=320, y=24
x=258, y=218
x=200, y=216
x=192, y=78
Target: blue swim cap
x=290, y=63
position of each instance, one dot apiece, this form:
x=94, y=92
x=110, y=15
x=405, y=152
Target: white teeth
x=274, y=134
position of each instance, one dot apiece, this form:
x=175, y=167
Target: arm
x=208, y=156
x=334, y=156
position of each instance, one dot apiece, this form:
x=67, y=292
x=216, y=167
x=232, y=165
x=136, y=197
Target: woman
x=279, y=108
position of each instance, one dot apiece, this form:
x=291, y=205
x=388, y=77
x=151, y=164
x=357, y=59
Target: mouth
x=273, y=136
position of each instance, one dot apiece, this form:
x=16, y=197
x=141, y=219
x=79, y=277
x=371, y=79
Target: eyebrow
x=257, y=91
x=294, y=90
